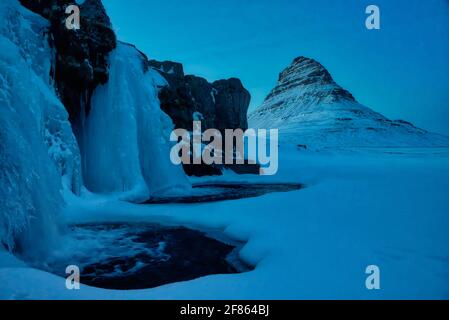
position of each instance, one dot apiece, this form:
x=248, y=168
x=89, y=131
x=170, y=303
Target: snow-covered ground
x=386, y=207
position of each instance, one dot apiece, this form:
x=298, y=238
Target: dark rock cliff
x=222, y=104
x=231, y=103
x=82, y=55
x=81, y=64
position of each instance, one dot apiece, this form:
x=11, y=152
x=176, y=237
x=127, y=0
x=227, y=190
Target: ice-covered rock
x=38, y=152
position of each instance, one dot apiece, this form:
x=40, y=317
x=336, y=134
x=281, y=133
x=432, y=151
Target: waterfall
x=127, y=145
x=38, y=152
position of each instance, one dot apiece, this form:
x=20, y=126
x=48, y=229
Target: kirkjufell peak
x=310, y=108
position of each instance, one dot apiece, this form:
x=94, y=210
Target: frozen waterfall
x=38, y=152
x=127, y=146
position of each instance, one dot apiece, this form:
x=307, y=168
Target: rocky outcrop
x=81, y=64
x=185, y=96
x=81, y=61
x=231, y=103
x=222, y=104
x=310, y=109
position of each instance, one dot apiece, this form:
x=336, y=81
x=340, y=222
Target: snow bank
x=127, y=149
x=37, y=148
x=357, y=210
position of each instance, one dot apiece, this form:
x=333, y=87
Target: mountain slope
x=309, y=108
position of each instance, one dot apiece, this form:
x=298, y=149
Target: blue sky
x=401, y=70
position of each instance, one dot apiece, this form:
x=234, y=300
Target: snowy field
x=387, y=207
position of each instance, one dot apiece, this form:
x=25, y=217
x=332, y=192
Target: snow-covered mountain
x=310, y=108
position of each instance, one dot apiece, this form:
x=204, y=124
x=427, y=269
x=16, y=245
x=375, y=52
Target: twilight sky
x=401, y=70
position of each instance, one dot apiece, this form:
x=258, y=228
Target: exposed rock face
x=81, y=64
x=231, y=101
x=203, y=100
x=221, y=105
x=185, y=95
x=310, y=109
x=81, y=56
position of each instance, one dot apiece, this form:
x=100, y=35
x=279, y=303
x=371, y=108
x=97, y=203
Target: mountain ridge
x=310, y=108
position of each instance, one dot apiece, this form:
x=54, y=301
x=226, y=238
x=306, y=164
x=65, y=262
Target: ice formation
x=38, y=152
x=127, y=147
x=124, y=140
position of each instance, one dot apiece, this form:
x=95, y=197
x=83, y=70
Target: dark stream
x=128, y=256
x=140, y=256
x=227, y=191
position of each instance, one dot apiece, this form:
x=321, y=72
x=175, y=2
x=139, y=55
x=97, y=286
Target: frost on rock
x=127, y=149
x=38, y=152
